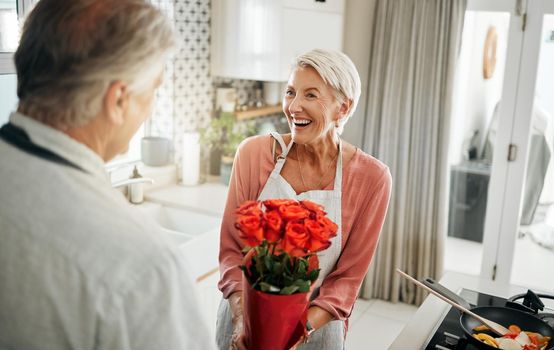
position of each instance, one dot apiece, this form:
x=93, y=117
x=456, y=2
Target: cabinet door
x=257, y=39
x=304, y=30
x=336, y=6
x=245, y=39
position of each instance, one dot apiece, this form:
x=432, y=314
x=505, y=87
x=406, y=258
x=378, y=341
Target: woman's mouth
x=300, y=123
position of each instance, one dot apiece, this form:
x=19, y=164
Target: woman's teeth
x=301, y=122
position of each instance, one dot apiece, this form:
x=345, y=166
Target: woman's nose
x=295, y=105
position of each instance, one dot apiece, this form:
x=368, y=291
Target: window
x=12, y=13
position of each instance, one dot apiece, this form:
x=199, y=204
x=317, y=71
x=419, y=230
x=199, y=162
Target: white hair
x=338, y=71
x=71, y=51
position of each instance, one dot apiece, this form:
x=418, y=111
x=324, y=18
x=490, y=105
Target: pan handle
x=447, y=293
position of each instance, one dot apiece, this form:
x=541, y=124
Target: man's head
x=81, y=59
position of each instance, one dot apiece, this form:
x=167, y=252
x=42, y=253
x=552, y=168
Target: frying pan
x=502, y=315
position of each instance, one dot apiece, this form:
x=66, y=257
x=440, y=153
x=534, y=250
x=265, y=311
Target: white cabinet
x=257, y=39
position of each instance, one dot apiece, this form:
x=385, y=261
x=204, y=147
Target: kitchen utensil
x=225, y=99
x=272, y=92
x=495, y=327
x=502, y=315
x=155, y=151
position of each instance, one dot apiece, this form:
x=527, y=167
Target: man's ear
x=115, y=102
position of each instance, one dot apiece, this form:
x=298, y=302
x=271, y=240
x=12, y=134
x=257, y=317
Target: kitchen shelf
x=258, y=112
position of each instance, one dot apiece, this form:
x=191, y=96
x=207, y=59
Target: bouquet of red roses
x=282, y=237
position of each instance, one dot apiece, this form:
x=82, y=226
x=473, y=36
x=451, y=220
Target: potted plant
x=223, y=135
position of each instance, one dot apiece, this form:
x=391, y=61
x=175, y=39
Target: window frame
x=6, y=58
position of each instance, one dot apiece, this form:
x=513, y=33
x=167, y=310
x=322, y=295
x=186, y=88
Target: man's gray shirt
x=79, y=268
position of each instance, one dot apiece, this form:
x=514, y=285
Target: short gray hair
x=70, y=52
x=338, y=71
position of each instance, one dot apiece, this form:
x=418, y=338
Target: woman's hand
x=238, y=338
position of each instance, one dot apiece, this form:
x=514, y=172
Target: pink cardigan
x=366, y=187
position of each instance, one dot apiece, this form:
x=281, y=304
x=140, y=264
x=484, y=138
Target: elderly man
x=78, y=268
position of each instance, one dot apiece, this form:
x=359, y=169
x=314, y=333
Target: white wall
x=475, y=97
x=8, y=96
x=356, y=44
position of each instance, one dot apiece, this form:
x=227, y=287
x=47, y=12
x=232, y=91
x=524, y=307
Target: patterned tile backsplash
x=186, y=99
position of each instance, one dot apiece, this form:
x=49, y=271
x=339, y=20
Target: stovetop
x=450, y=336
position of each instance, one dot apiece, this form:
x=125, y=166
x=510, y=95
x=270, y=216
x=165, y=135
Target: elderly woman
x=312, y=162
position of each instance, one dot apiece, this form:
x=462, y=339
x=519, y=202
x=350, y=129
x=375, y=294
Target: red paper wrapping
x=271, y=321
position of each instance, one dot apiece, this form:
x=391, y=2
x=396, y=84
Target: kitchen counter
x=207, y=198
x=425, y=321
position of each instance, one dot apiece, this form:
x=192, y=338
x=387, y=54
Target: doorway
x=498, y=164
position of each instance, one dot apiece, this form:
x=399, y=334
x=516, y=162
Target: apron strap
x=338, y=173
x=282, y=157
x=284, y=148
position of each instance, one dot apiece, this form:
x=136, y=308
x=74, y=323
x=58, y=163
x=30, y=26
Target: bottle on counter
x=136, y=190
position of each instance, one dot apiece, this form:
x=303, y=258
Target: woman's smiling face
x=310, y=106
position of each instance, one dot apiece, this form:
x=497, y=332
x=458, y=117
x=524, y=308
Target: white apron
x=331, y=336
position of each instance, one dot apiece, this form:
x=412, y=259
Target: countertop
x=425, y=321
x=207, y=198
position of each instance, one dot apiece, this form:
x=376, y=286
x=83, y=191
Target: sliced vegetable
x=485, y=338
x=481, y=328
x=523, y=339
x=508, y=344
x=514, y=329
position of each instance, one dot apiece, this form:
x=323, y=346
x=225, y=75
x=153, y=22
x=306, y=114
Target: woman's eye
x=289, y=93
x=310, y=95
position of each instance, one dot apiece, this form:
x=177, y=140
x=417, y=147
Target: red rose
x=319, y=235
x=315, y=245
x=293, y=212
x=273, y=220
x=251, y=230
x=329, y=224
x=249, y=208
x=276, y=203
x=313, y=263
x=317, y=230
x=313, y=207
x=296, y=239
x=272, y=236
x=273, y=226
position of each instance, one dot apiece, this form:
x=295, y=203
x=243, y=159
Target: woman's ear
x=344, y=108
x=115, y=102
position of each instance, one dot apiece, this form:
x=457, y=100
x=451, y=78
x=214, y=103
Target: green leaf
x=313, y=275
x=259, y=266
x=289, y=290
x=268, y=288
x=303, y=286
x=278, y=268
x=268, y=263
